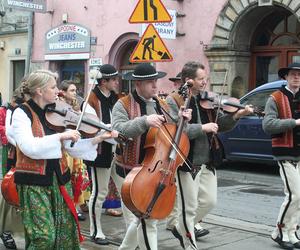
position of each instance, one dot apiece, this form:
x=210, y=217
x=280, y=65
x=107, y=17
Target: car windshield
x=257, y=99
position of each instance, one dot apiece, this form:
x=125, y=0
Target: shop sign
x=165, y=30
x=68, y=41
x=29, y=5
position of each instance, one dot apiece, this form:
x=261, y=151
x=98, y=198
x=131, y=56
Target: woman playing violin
x=42, y=175
x=198, y=181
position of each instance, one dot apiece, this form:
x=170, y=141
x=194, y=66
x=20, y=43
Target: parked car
x=247, y=142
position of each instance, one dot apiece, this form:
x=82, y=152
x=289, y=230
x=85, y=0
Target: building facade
x=241, y=42
x=13, y=49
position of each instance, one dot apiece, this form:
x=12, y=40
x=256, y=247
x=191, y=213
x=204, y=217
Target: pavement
x=225, y=234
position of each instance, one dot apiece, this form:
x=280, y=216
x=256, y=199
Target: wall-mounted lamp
x=65, y=17
x=2, y=45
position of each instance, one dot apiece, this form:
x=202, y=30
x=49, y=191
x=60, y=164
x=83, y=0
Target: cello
x=149, y=190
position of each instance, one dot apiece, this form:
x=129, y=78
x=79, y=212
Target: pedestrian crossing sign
x=150, y=48
x=150, y=11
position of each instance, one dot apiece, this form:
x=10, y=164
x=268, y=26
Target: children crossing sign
x=150, y=48
x=150, y=11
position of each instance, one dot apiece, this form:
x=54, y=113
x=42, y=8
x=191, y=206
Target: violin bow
x=94, y=74
x=221, y=97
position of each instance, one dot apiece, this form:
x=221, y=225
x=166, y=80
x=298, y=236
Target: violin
x=61, y=115
x=211, y=100
x=149, y=190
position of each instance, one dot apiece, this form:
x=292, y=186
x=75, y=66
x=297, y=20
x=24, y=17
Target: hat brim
x=173, y=79
x=128, y=76
x=110, y=76
x=283, y=72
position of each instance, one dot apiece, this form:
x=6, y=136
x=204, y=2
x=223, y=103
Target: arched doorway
x=275, y=44
x=119, y=56
x=250, y=42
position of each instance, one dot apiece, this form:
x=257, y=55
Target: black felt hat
x=144, y=71
x=176, y=78
x=284, y=71
x=108, y=71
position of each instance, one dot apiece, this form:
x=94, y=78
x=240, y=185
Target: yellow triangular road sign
x=151, y=48
x=150, y=11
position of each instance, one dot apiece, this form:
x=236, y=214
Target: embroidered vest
x=24, y=163
x=96, y=104
x=128, y=156
x=286, y=139
x=27, y=165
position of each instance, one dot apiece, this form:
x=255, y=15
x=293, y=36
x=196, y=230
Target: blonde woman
x=42, y=175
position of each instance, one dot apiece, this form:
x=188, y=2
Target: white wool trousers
x=196, y=198
x=289, y=213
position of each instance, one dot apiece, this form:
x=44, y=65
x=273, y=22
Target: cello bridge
x=166, y=172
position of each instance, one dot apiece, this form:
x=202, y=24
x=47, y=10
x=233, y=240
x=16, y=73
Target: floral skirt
x=48, y=221
x=4, y=159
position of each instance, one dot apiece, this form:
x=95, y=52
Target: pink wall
x=108, y=20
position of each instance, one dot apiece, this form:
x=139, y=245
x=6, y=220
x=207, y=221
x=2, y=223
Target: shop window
x=75, y=71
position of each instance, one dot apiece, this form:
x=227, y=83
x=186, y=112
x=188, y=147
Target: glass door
x=265, y=68
x=74, y=70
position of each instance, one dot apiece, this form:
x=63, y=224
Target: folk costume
x=281, y=112
x=10, y=218
x=197, y=184
x=3, y=140
x=101, y=169
x=42, y=177
x=79, y=174
x=129, y=117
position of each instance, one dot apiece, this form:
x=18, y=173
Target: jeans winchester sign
x=29, y=5
x=67, y=41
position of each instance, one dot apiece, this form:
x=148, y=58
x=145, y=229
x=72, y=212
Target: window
x=258, y=99
x=280, y=29
x=18, y=72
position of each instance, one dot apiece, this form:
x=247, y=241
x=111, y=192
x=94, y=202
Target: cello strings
x=175, y=148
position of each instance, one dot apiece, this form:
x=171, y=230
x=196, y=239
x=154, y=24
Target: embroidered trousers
x=289, y=214
x=100, y=181
x=196, y=198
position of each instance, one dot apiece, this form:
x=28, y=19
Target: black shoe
x=178, y=236
x=101, y=241
x=297, y=245
x=284, y=244
x=81, y=216
x=201, y=232
x=8, y=240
